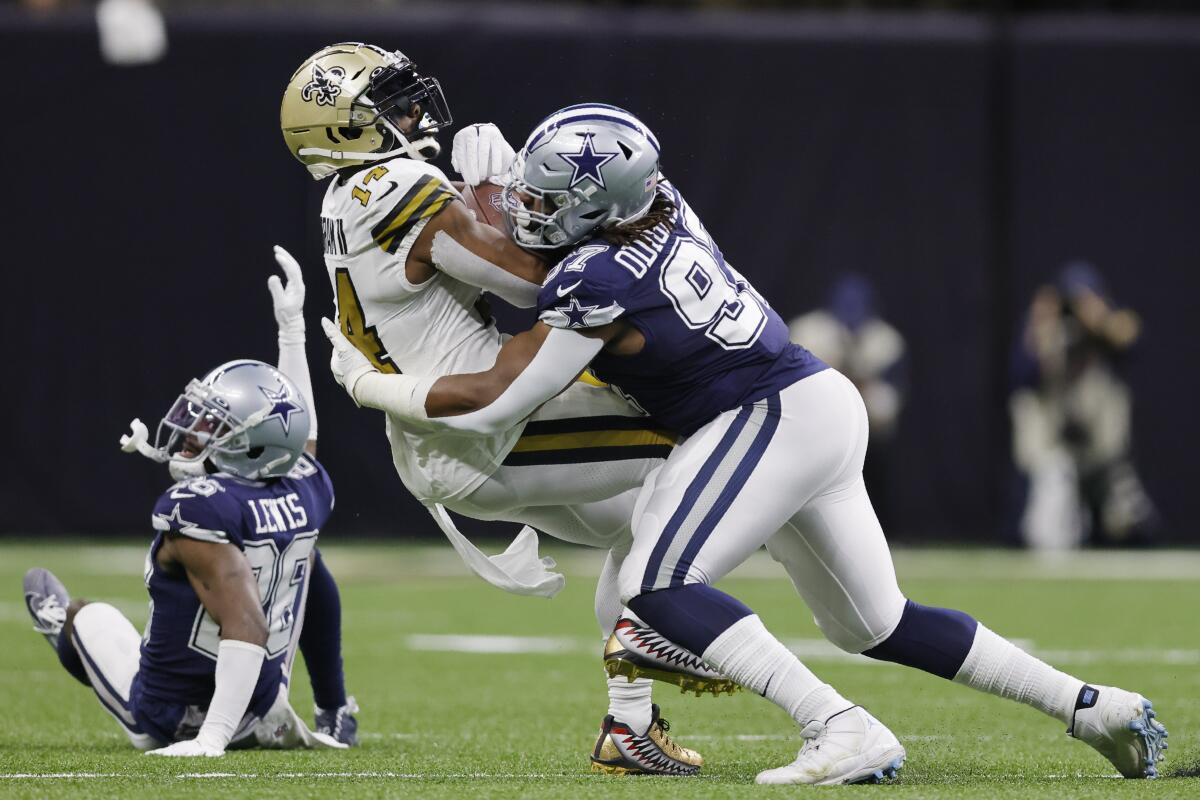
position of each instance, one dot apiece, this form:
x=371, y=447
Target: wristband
x=399, y=395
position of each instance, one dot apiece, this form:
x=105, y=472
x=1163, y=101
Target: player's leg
x=49, y=605
x=321, y=646
x=109, y=648
x=102, y=650
x=837, y=556
x=647, y=748
x=720, y=496
x=633, y=736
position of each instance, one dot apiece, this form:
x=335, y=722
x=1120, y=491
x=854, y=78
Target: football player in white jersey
x=407, y=260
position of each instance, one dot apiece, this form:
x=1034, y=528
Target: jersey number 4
x=354, y=324
x=707, y=298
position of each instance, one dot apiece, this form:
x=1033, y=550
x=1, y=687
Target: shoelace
x=51, y=613
x=668, y=744
x=811, y=733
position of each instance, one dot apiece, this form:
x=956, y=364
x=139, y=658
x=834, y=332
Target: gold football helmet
x=346, y=104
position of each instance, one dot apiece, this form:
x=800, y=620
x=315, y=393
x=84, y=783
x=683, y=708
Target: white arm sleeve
x=238, y=665
x=458, y=262
x=293, y=362
x=562, y=356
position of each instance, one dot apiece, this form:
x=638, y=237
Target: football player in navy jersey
x=227, y=573
x=773, y=455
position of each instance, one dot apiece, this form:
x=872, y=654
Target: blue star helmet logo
x=575, y=313
x=587, y=163
x=282, y=406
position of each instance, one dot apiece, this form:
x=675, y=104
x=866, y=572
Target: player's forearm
x=518, y=384
x=443, y=402
x=487, y=270
x=293, y=362
x=249, y=626
x=531, y=369
x=238, y=666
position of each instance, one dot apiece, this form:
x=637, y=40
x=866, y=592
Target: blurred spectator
x=132, y=32
x=1071, y=417
x=849, y=335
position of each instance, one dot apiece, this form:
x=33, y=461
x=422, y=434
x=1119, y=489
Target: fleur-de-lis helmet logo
x=324, y=86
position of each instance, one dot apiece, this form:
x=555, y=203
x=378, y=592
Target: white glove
x=188, y=748
x=480, y=152
x=289, y=300
x=348, y=364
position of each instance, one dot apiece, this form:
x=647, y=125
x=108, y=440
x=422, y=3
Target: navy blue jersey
x=275, y=524
x=712, y=342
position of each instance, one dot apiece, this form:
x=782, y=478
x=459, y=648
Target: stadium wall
x=954, y=160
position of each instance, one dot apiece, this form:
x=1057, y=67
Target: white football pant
x=786, y=472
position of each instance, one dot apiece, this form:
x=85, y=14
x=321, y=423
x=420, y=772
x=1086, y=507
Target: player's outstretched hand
x=288, y=300
x=188, y=748
x=480, y=152
x=347, y=363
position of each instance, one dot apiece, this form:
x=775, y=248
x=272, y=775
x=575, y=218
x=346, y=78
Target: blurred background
x=985, y=213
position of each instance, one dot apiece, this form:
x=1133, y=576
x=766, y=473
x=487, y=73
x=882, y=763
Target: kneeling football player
x=228, y=572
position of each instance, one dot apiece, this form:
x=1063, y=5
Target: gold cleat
x=620, y=751
x=636, y=651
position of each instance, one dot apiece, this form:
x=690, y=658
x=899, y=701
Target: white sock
x=997, y=666
x=629, y=702
x=750, y=655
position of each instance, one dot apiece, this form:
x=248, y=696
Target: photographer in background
x=1071, y=417
x=849, y=335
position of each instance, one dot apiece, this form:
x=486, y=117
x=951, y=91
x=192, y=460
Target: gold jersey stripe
x=422, y=184
x=424, y=200
x=584, y=439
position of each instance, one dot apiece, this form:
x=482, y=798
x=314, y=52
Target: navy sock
x=321, y=638
x=68, y=656
x=691, y=616
x=936, y=640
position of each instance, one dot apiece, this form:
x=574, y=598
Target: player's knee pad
x=633, y=566
x=96, y=621
x=608, y=605
x=855, y=630
x=108, y=643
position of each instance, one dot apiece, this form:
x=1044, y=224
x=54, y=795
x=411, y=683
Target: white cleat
x=47, y=600
x=1121, y=726
x=849, y=747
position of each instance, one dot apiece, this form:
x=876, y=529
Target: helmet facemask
x=535, y=217
x=391, y=94
x=350, y=104
x=196, y=427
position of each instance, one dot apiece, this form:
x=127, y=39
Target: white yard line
x=463, y=643
x=816, y=650
x=413, y=776
x=59, y=776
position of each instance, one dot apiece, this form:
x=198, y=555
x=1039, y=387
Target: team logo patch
x=282, y=407
x=576, y=315
x=587, y=163
x=325, y=86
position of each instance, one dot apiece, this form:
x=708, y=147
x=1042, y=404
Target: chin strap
x=423, y=149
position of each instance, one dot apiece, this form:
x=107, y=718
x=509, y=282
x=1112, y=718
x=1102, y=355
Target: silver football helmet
x=583, y=168
x=246, y=416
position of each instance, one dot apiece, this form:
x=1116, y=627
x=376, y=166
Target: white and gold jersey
x=370, y=222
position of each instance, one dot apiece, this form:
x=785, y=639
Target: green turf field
x=440, y=722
